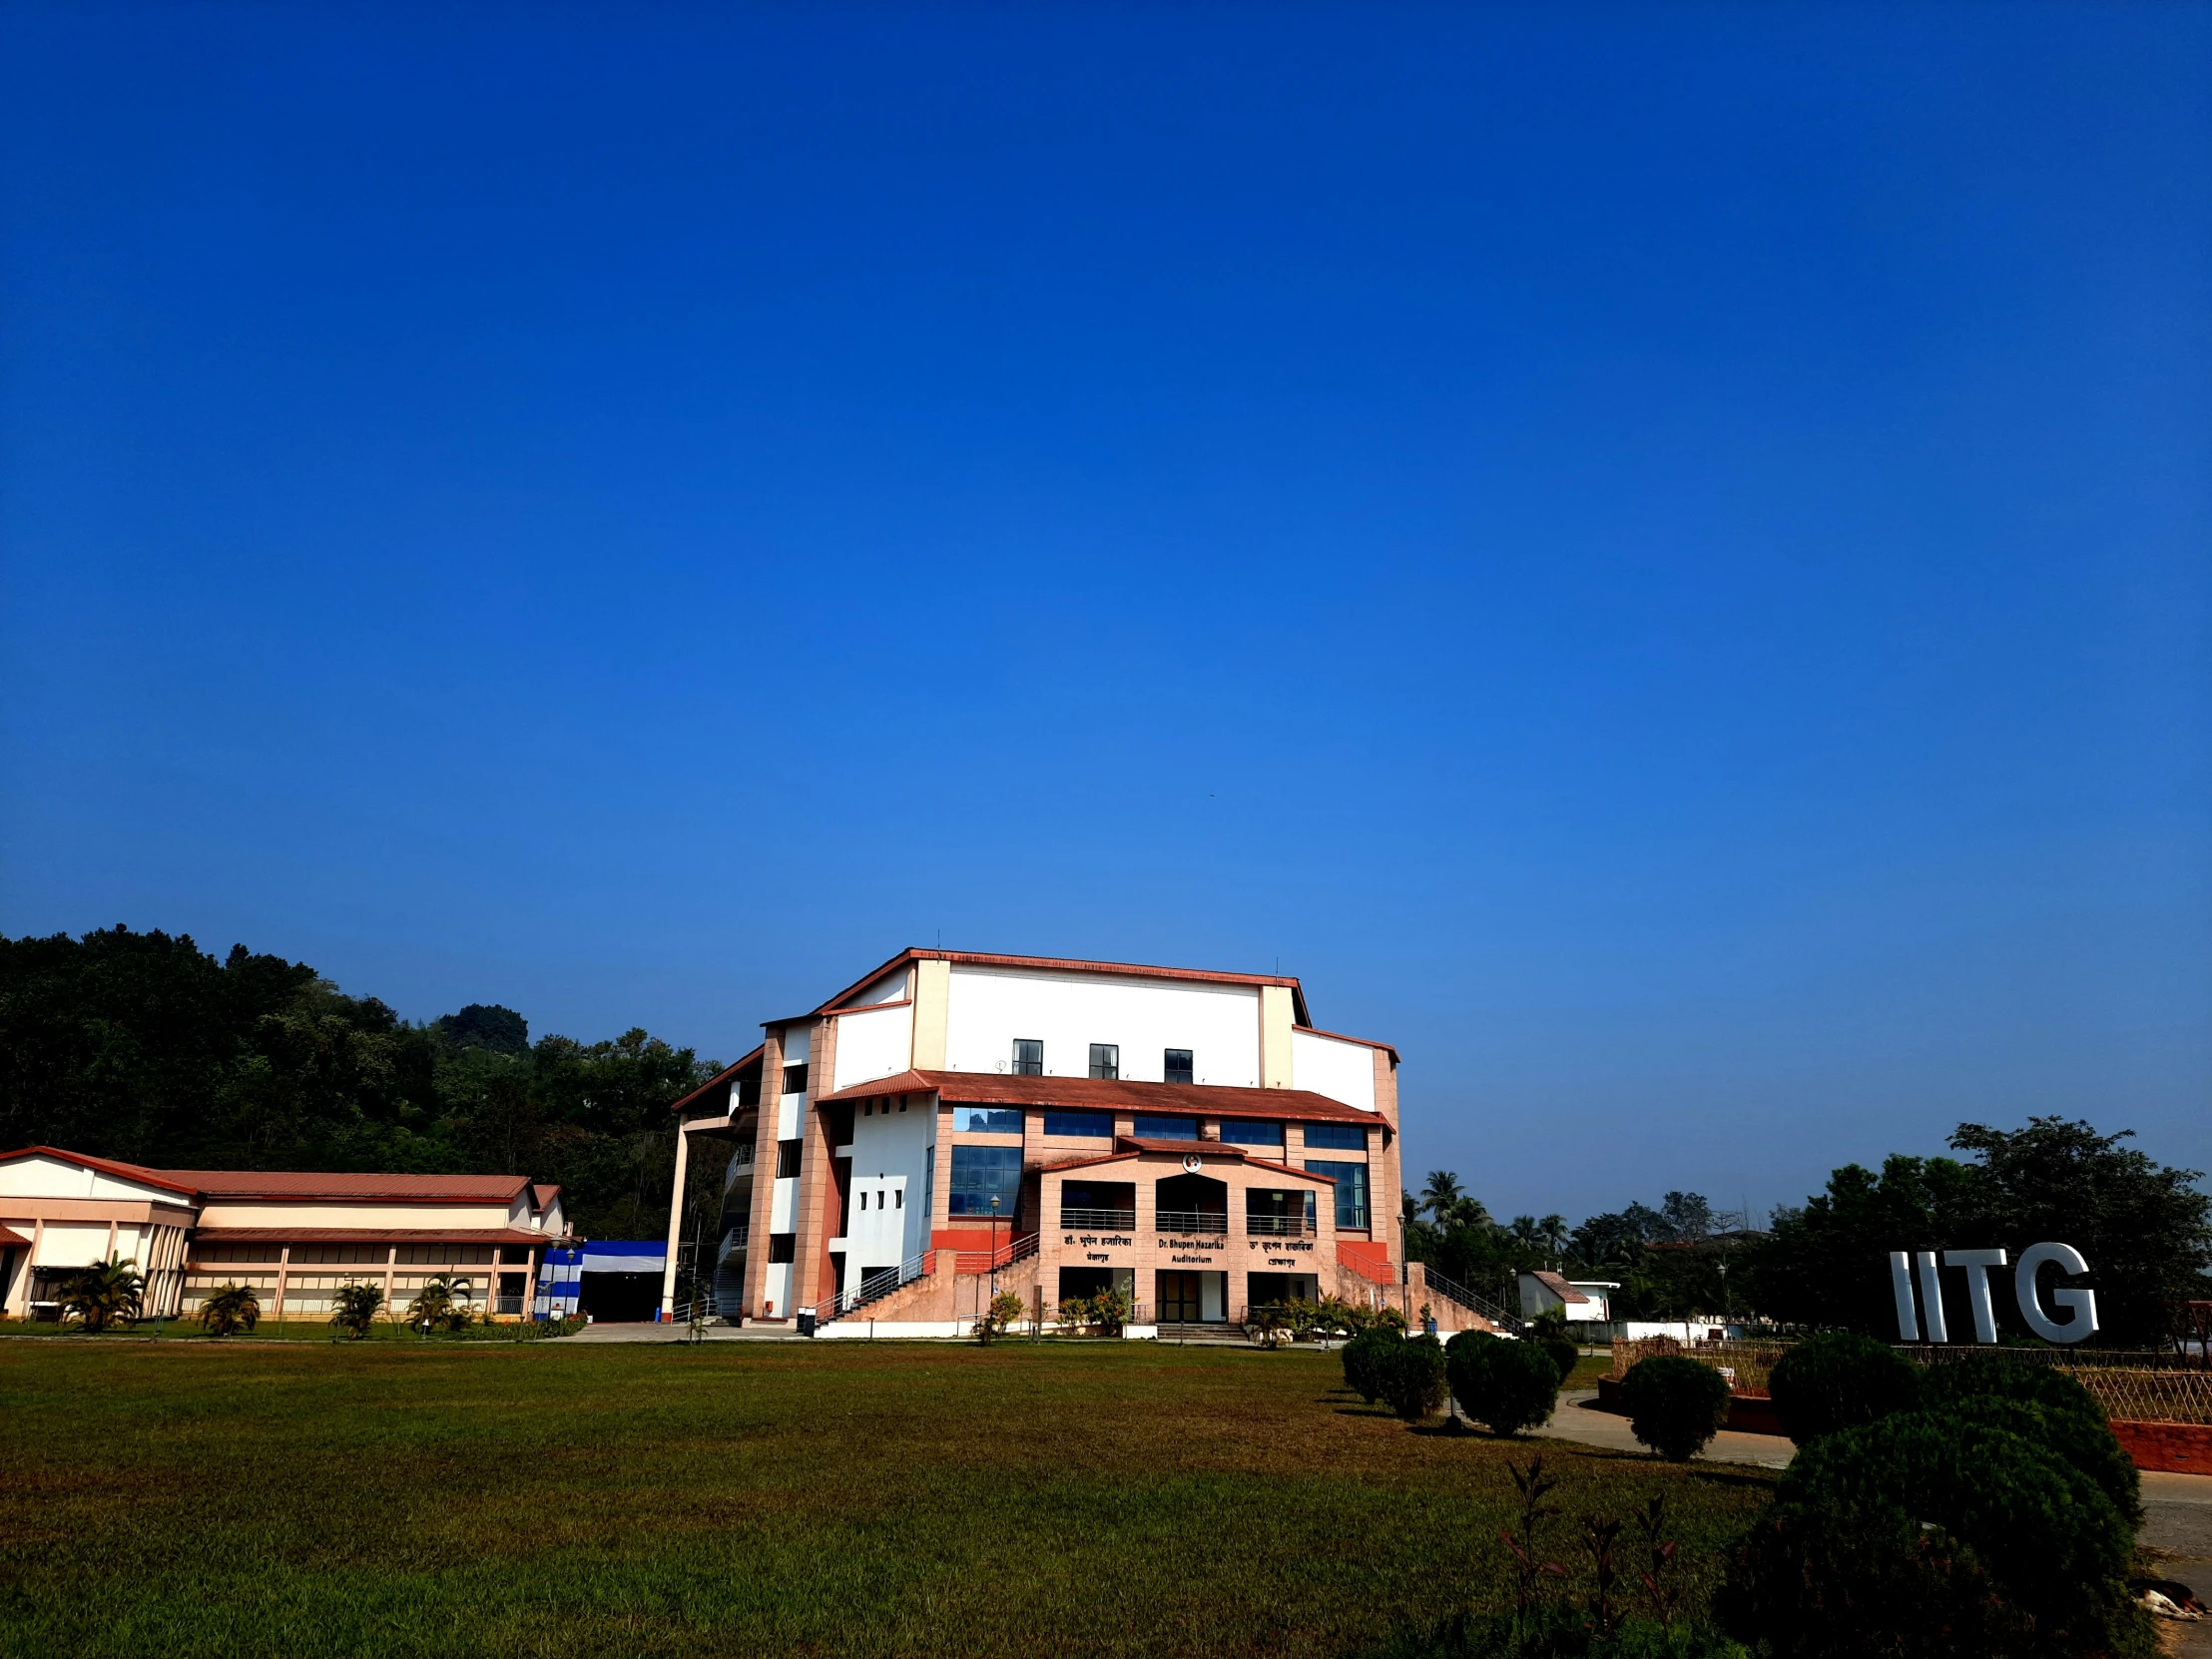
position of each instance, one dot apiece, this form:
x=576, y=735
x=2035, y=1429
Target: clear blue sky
x=1657, y=558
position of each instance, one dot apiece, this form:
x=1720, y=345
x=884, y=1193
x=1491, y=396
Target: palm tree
x=1553, y=1230
x=229, y=1311
x=358, y=1308
x=103, y=1292
x=441, y=1302
x=1441, y=1194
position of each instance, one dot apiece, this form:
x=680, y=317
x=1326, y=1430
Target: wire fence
x=2133, y=1387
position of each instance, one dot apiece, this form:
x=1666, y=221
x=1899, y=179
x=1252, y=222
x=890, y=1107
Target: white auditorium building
x=952, y=1122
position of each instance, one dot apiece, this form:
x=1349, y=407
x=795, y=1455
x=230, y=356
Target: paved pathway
x=1580, y=1419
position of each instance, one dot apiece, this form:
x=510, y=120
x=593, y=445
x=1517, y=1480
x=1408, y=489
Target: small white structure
x=1586, y=1300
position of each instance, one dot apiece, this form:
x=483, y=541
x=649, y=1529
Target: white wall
x=42, y=1176
x=873, y=1045
x=893, y=1146
x=891, y=988
x=782, y=1204
x=990, y=1008
x=799, y=1042
x=1328, y=1065
x=73, y=1243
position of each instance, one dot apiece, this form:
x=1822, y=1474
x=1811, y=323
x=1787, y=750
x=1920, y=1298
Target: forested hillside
x=143, y=1047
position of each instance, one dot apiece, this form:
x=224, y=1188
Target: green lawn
x=302, y=1498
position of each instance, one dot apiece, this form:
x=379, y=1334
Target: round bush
x=2043, y=1406
x=1840, y=1381
x=1931, y=1533
x=1363, y=1360
x=1982, y=1375
x=1675, y=1406
x=1412, y=1378
x=1506, y=1385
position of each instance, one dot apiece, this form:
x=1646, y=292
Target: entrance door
x=1178, y=1296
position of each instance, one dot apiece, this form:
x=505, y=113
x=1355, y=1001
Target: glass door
x=1178, y=1298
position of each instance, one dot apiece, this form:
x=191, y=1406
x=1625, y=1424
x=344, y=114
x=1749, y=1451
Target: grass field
x=302, y=1498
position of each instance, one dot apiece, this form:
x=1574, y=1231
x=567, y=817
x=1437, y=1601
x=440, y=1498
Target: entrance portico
x=1197, y=1232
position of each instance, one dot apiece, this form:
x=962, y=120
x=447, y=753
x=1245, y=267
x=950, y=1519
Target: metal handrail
x=1071, y=1215
x=1475, y=1303
x=1193, y=1221
x=991, y=1261
x=873, y=1288
x=1281, y=1226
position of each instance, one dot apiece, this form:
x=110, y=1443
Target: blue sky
x=1656, y=557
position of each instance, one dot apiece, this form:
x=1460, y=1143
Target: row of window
x=1105, y=1061
x=1006, y=1120
x=363, y=1255
x=986, y=1181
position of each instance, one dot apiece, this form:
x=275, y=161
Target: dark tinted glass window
x=1176, y=1068
x=1352, y=1190
x=1105, y=1059
x=1338, y=1137
x=787, y=1158
x=1097, y=1125
x=988, y=1120
x=783, y=1247
x=795, y=1079
x=1243, y=1132
x=1029, y=1057
x=1168, y=1129
x=982, y=1173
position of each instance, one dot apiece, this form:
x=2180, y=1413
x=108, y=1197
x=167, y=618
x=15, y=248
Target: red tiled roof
x=370, y=1235
x=1100, y=1094
x=107, y=1166
x=1140, y=970
x=1559, y=1288
x=10, y=1239
x=544, y=1194
x=413, y=1189
x=1129, y=1146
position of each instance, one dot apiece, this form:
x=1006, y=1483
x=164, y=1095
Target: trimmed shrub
x=2062, y=1417
x=1363, y=1360
x=1548, y=1330
x=1840, y=1381
x=1412, y=1378
x=2007, y=1379
x=1675, y=1406
x=1930, y=1533
x=1506, y=1385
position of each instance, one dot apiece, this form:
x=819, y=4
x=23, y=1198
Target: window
x=1336, y=1137
x=1029, y=1057
x=1176, y=1067
x=898, y=1198
x=795, y=1079
x=1243, y=1132
x=749, y=1092
x=1168, y=1129
x=1352, y=1190
x=786, y=1159
x=511, y=1253
x=987, y=1120
x=1090, y=1125
x=1105, y=1059
x=863, y=1201
x=982, y=1173
x=783, y=1247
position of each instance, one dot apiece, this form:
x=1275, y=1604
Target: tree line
x=2144, y=1227
x=145, y=1048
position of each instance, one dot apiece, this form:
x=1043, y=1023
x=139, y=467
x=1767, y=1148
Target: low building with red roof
x=293, y=1235
x=953, y=1122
